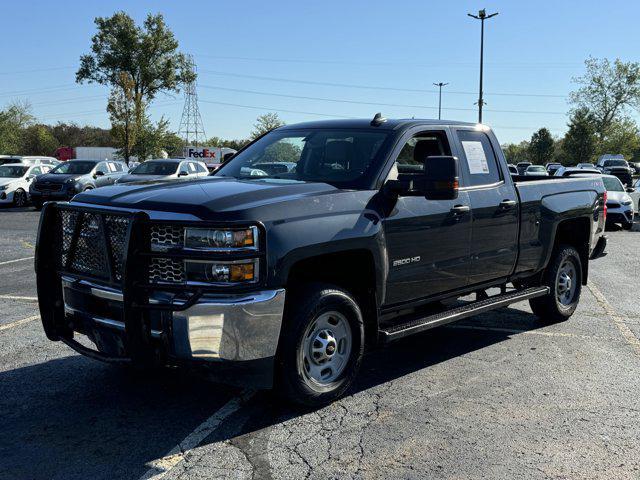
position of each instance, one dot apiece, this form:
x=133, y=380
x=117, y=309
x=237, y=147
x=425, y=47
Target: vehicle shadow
x=12, y=209
x=76, y=418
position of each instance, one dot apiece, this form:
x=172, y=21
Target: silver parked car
x=536, y=171
x=620, y=208
x=165, y=169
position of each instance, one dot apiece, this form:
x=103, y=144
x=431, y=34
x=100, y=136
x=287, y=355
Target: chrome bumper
x=239, y=327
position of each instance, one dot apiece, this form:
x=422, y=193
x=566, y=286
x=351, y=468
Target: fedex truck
x=86, y=153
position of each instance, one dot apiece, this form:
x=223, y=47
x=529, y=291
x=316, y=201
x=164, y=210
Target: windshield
x=74, y=168
x=8, y=171
x=155, y=168
x=338, y=157
x=612, y=184
x=615, y=163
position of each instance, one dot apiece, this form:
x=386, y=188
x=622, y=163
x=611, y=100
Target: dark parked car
x=552, y=167
x=285, y=280
x=72, y=177
x=522, y=167
x=617, y=167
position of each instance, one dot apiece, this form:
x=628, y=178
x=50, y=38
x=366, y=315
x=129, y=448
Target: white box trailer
x=96, y=153
x=211, y=156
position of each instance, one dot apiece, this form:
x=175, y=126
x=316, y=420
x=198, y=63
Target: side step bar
x=421, y=324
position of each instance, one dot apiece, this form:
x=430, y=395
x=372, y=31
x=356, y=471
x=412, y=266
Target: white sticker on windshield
x=476, y=159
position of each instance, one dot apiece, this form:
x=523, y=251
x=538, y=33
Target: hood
x=128, y=178
x=56, y=178
x=204, y=197
x=617, y=196
x=7, y=180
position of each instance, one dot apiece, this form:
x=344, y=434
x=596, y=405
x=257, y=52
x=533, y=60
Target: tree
x=147, y=55
x=579, y=143
x=265, y=123
x=541, y=146
x=622, y=137
x=13, y=120
x=517, y=152
x=608, y=90
x=151, y=139
x=173, y=144
x=122, y=113
x=72, y=135
x=38, y=140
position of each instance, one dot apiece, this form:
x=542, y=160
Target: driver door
x=428, y=241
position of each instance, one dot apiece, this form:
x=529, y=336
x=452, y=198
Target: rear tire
x=563, y=276
x=321, y=345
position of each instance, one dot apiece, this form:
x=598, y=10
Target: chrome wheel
x=325, y=349
x=566, y=283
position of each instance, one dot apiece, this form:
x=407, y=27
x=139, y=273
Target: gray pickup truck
x=375, y=230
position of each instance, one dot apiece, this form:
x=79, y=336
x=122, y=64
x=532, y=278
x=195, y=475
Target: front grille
x=84, y=242
x=48, y=187
x=163, y=238
x=613, y=205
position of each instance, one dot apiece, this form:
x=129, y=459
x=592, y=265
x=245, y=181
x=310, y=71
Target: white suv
x=15, y=179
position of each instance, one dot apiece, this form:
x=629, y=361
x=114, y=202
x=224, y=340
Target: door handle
x=460, y=209
x=507, y=204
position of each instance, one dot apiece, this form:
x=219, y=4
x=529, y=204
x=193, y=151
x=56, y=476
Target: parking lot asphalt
x=496, y=396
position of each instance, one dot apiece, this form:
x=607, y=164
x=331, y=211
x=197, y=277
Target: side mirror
x=227, y=156
x=99, y=173
x=631, y=190
x=183, y=174
x=441, y=178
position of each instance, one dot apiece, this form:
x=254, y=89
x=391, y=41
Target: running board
x=421, y=324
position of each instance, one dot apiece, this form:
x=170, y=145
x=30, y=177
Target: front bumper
x=54, y=195
x=6, y=196
x=623, y=214
x=234, y=335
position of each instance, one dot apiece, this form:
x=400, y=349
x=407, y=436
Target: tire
x=563, y=276
x=321, y=346
x=19, y=198
x=627, y=225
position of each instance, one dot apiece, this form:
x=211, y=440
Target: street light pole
x=482, y=16
x=440, y=85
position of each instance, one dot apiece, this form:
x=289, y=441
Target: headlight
x=232, y=272
x=221, y=239
x=626, y=202
x=3, y=187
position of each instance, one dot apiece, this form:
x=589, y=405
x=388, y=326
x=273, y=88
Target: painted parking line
x=160, y=467
x=518, y=331
x=18, y=297
x=17, y=323
x=7, y=262
x=618, y=319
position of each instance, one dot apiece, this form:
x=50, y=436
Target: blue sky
x=254, y=56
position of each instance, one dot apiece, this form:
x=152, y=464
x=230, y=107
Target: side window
x=102, y=167
x=480, y=165
x=201, y=168
x=411, y=158
x=36, y=171
x=183, y=168
x=192, y=167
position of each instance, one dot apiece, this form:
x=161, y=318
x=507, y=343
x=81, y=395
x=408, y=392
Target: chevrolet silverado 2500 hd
x=283, y=277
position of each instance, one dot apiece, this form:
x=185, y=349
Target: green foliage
x=608, y=90
x=173, y=144
x=150, y=139
x=622, y=137
x=122, y=108
x=13, y=120
x=579, y=143
x=517, y=152
x=265, y=123
x=282, y=151
x=72, y=135
x=541, y=147
x=38, y=140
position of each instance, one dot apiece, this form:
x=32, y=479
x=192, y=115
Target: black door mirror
x=631, y=190
x=441, y=178
x=98, y=173
x=183, y=174
x=227, y=156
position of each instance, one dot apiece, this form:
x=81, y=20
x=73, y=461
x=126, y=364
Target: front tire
x=19, y=198
x=563, y=276
x=627, y=225
x=321, y=346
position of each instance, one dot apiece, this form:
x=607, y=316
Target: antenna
x=191, y=127
x=378, y=120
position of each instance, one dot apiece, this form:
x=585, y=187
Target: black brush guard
x=134, y=283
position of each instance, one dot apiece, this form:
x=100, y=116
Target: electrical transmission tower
x=191, y=127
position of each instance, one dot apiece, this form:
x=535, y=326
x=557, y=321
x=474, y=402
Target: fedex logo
x=200, y=153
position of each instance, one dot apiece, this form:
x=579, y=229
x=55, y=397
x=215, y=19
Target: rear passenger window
x=480, y=165
x=192, y=167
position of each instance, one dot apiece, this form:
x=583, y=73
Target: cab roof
x=366, y=123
